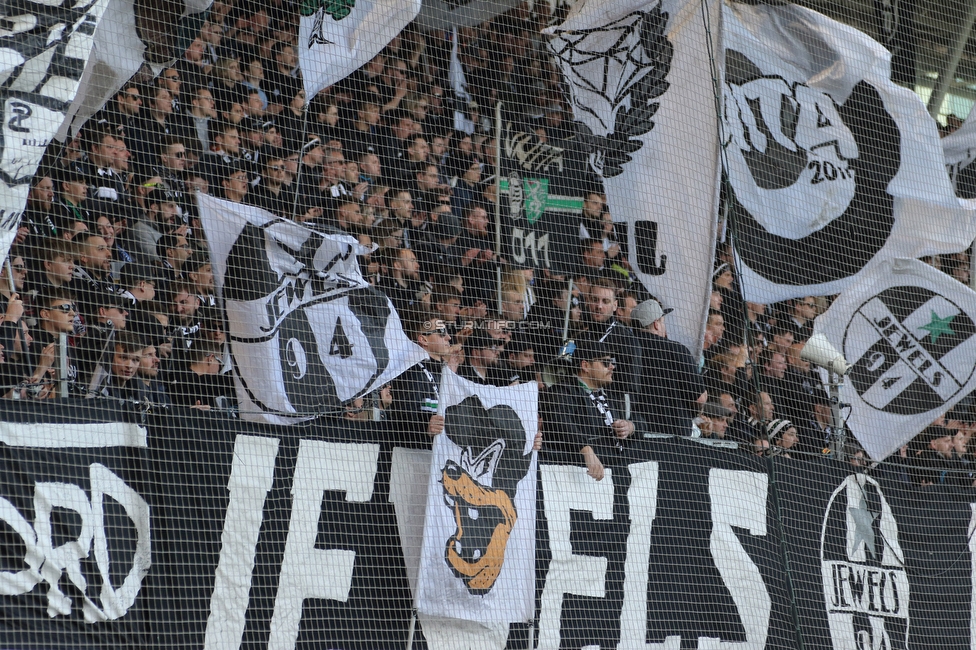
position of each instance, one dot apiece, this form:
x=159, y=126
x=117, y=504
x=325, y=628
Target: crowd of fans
x=111, y=254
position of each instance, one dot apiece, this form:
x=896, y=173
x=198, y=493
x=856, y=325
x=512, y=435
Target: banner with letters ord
x=195, y=530
x=75, y=548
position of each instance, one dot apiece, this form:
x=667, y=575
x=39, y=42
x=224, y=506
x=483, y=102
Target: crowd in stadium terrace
x=112, y=254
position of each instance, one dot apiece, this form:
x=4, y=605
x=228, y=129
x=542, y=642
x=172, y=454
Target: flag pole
x=301, y=155
x=569, y=308
x=498, y=201
x=948, y=74
x=10, y=278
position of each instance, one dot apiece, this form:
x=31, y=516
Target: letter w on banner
x=478, y=558
x=831, y=164
x=336, y=37
x=910, y=333
x=643, y=97
x=306, y=331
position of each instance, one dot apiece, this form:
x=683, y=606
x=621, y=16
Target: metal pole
x=410, y=632
x=63, y=364
x=498, y=200
x=839, y=439
x=569, y=308
x=948, y=75
x=531, y=635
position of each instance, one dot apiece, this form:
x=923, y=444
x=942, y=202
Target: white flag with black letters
x=909, y=332
x=337, y=37
x=830, y=163
x=478, y=557
x=306, y=332
x=643, y=97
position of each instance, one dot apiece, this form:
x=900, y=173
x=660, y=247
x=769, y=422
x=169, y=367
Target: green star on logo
x=938, y=326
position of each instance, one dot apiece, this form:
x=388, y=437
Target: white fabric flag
x=115, y=57
x=478, y=557
x=337, y=37
x=959, y=149
x=43, y=58
x=642, y=92
x=306, y=332
x=459, y=84
x=830, y=163
x=910, y=333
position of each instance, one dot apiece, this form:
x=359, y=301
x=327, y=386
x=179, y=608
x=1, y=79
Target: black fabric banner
x=540, y=216
x=289, y=537
x=72, y=513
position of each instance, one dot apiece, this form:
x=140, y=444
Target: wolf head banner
x=642, y=94
x=307, y=332
x=909, y=332
x=478, y=557
x=827, y=171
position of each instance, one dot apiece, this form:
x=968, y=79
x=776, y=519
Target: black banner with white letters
x=294, y=536
x=74, y=529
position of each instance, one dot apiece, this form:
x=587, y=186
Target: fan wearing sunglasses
x=56, y=310
x=587, y=421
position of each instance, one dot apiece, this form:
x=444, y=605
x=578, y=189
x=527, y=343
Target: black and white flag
x=337, y=37
x=859, y=548
x=42, y=59
x=117, y=54
x=306, y=331
x=478, y=557
x=830, y=163
x=641, y=82
x=910, y=333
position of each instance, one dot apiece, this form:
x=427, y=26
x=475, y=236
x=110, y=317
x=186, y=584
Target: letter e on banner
x=307, y=572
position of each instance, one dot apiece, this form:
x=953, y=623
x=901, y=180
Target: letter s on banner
x=739, y=499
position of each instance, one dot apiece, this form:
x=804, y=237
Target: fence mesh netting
x=359, y=324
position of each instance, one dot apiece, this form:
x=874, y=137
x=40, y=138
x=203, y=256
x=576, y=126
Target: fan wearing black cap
x=438, y=253
x=586, y=420
x=714, y=421
x=671, y=389
x=481, y=363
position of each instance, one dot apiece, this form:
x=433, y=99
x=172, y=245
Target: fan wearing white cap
x=671, y=390
x=782, y=436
